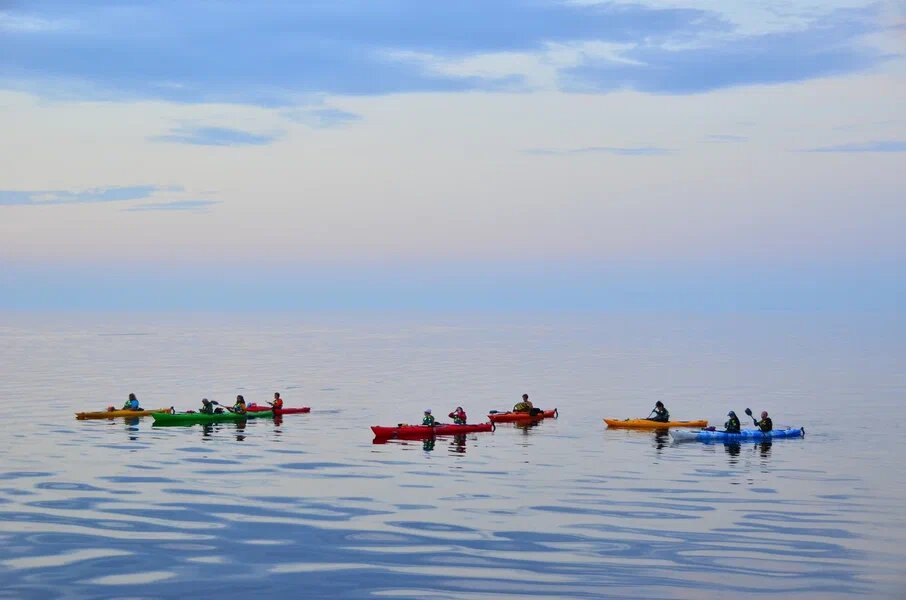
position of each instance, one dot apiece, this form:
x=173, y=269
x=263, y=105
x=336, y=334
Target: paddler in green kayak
x=239, y=407
x=661, y=414
x=207, y=407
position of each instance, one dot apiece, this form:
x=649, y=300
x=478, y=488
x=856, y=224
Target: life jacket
x=661, y=414
x=131, y=405
x=766, y=424
x=459, y=417
x=428, y=420
x=523, y=407
x=732, y=425
x=278, y=403
x=207, y=410
x=239, y=407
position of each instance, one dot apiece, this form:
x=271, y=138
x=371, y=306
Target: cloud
x=58, y=197
x=321, y=118
x=216, y=136
x=878, y=146
x=271, y=54
x=176, y=205
x=720, y=138
x=616, y=150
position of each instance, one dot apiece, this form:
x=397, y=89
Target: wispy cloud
x=273, y=53
x=176, y=205
x=321, y=118
x=877, y=146
x=720, y=138
x=216, y=136
x=58, y=197
x=616, y=150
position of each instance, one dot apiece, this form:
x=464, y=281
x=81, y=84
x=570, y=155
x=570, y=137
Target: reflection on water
x=557, y=508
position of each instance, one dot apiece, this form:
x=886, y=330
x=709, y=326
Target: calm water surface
x=311, y=507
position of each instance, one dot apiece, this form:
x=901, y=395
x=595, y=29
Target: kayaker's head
x=525, y=396
x=240, y=399
x=427, y=411
x=132, y=396
x=459, y=409
x=731, y=414
x=659, y=404
x=764, y=414
x=276, y=395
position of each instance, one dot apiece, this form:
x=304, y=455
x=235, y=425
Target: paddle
x=749, y=412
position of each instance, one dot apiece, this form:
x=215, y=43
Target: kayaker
x=131, y=403
x=458, y=416
x=428, y=419
x=239, y=407
x=524, y=406
x=765, y=424
x=277, y=404
x=732, y=424
x=661, y=415
x=207, y=407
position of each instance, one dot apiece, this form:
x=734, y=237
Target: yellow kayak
x=109, y=414
x=646, y=424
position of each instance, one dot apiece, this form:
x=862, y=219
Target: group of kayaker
x=459, y=415
x=765, y=424
x=208, y=406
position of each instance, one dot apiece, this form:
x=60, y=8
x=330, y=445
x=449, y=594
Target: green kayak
x=190, y=418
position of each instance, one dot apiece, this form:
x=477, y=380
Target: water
x=310, y=507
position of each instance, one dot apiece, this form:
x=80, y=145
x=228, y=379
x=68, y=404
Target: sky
x=457, y=155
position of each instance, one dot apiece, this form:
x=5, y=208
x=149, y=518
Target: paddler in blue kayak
x=661, y=415
x=732, y=424
x=765, y=424
x=458, y=416
x=428, y=419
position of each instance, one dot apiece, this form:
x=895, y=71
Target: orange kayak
x=109, y=414
x=646, y=424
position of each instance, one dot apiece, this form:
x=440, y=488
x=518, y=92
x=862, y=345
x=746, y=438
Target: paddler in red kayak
x=428, y=419
x=277, y=404
x=526, y=406
x=458, y=416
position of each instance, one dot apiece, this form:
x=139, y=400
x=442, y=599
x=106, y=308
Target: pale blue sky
x=477, y=153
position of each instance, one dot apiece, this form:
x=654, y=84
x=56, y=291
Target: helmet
x=427, y=411
x=731, y=414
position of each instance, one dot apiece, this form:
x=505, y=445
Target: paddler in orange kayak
x=526, y=406
x=661, y=415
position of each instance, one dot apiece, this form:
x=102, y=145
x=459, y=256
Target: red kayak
x=505, y=417
x=416, y=431
x=282, y=411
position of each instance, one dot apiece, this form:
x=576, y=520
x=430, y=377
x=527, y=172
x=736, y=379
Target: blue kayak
x=745, y=435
